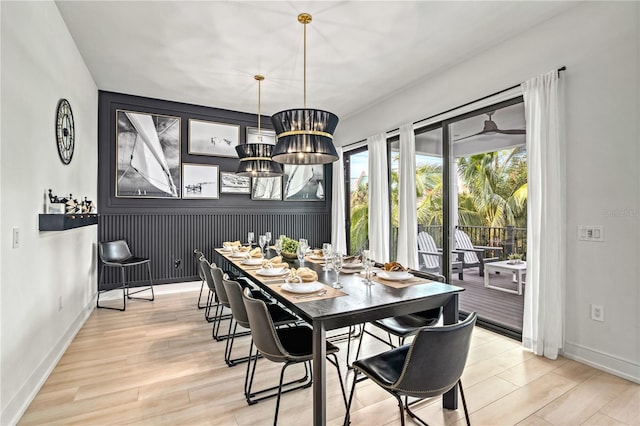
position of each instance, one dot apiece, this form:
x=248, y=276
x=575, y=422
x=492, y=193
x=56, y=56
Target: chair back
x=114, y=251
x=464, y=242
x=426, y=243
x=234, y=294
x=263, y=331
x=197, y=254
x=216, y=275
x=436, y=359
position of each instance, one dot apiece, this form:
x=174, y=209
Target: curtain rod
x=562, y=68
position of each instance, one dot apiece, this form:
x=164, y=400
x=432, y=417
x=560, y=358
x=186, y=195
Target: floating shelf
x=62, y=222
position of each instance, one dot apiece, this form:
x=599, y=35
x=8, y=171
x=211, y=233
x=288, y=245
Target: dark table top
x=363, y=302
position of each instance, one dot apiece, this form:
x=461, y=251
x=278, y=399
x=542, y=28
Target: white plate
x=352, y=265
x=225, y=249
x=273, y=272
x=316, y=257
x=253, y=261
x=395, y=276
x=303, y=287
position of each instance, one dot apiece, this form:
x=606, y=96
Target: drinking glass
x=250, y=237
x=279, y=247
x=369, y=262
x=262, y=240
x=338, y=261
x=326, y=253
x=302, y=249
x=268, y=237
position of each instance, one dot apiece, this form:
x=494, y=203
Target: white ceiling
x=358, y=53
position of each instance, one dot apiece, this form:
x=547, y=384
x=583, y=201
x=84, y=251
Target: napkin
x=231, y=244
x=307, y=275
x=244, y=249
x=256, y=252
x=268, y=264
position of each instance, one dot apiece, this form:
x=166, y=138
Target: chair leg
x=200, y=296
x=150, y=287
x=464, y=403
x=335, y=362
x=100, y=281
x=347, y=419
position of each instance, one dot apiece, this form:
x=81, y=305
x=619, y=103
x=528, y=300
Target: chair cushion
x=405, y=325
x=280, y=316
x=128, y=262
x=385, y=368
x=298, y=341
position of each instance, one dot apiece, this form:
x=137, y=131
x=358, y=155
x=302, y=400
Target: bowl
x=397, y=275
x=288, y=255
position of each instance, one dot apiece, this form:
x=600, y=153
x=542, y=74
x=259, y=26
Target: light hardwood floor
x=157, y=364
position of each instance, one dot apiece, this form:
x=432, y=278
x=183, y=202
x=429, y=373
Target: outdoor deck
x=504, y=309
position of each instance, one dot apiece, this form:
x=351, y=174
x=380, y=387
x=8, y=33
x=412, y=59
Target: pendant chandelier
x=305, y=136
x=255, y=158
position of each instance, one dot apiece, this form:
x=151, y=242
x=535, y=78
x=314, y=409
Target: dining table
x=355, y=303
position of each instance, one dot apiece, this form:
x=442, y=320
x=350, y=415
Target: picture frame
x=200, y=181
x=303, y=182
x=147, y=155
x=267, y=136
x=233, y=183
x=213, y=139
x=266, y=188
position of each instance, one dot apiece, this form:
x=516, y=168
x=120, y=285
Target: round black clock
x=65, y=131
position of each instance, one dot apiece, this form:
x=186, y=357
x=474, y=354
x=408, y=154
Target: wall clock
x=65, y=131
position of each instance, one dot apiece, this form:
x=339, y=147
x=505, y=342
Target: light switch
x=16, y=238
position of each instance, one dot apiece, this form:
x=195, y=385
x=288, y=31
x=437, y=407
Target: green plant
x=515, y=256
x=289, y=245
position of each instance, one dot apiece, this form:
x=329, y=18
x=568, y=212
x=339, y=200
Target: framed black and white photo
x=211, y=138
x=199, y=181
x=303, y=182
x=267, y=136
x=233, y=183
x=266, y=188
x=148, y=155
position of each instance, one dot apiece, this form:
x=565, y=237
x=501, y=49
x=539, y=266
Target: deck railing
x=510, y=238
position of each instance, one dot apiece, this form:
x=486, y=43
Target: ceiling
x=358, y=53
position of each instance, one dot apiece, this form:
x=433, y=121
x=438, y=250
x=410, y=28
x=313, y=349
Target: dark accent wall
x=168, y=230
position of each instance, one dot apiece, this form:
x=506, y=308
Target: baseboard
x=615, y=365
x=20, y=402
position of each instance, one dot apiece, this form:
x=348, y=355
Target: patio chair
x=474, y=255
x=431, y=256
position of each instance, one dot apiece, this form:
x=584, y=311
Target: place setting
x=302, y=285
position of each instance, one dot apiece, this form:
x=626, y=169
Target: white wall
x=40, y=65
x=599, y=42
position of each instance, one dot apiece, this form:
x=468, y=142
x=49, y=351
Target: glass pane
x=428, y=198
x=358, y=201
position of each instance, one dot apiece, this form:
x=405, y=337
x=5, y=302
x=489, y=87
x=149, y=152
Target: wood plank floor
x=156, y=364
x=502, y=308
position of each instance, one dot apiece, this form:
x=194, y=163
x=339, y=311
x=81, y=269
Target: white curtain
x=338, y=237
x=407, y=212
x=378, y=197
x=544, y=296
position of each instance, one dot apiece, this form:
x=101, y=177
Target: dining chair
x=430, y=366
x=197, y=254
x=116, y=254
x=404, y=326
x=285, y=345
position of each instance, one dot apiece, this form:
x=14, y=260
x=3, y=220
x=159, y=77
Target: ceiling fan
x=491, y=128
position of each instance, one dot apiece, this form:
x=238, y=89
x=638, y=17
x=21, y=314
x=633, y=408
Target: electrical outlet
x=597, y=313
x=59, y=303
x=590, y=233
x=177, y=263
x=16, y=238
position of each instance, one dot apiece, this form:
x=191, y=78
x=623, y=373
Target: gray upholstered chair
x=285, y=345
x=430, y=366
x=116, y=254
x=197, y=254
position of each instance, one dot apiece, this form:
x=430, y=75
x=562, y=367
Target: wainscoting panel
x=169, y=239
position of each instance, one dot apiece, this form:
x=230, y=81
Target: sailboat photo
x=304, y=182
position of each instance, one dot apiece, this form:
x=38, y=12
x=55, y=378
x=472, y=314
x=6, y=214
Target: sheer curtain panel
x=378, y=197
x=407, y=214
x=544, y=296
x=338, y=230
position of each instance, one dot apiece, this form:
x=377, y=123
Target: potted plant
x=289, y=248
x=514, y=258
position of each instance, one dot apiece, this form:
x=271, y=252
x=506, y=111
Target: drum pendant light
x=255, y=158
x=304, y=135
